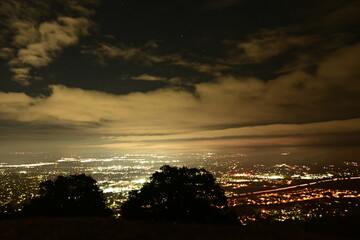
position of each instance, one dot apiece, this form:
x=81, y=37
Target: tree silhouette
x=7, y=211
x=71, y=196
x=179, y=194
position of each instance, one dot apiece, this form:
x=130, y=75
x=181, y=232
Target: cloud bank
x=297, y=103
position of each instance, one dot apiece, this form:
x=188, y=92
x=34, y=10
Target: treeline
x=187, y=195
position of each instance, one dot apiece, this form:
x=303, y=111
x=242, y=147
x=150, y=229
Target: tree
x=71, y=196
x=7, y=211
x=179, y=194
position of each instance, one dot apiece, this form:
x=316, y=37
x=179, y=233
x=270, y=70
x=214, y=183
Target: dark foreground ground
x=68, y=229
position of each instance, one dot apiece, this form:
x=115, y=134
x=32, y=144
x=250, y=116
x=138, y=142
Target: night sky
x=253, y=76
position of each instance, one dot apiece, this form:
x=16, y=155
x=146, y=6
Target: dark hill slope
x=91, y=229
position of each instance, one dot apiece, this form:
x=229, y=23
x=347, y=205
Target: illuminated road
x=297, y=186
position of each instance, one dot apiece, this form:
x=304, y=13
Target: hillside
x=93, y=229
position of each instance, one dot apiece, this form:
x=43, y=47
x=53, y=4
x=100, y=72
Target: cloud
x=144, y=55
x=105, y=52
x=6, y=53
x=266, y=44
x=293, y=108
x=13, y=103
x=36, y=43
x=52, y=38
x=347, y=14
x=297, y=97
x=21, y=74
x=267, y=131
x=214, y=69
x=81, y=7
x=46, y=41
x=27, y=32
x=146, y=77
x=299, y=107
x=342, y=68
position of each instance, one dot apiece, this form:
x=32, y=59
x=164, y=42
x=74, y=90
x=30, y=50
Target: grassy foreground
x=94, y=228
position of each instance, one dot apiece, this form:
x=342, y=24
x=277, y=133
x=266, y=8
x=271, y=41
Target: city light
x=255, y=185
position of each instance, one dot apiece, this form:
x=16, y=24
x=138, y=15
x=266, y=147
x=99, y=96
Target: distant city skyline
x=255, y=77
